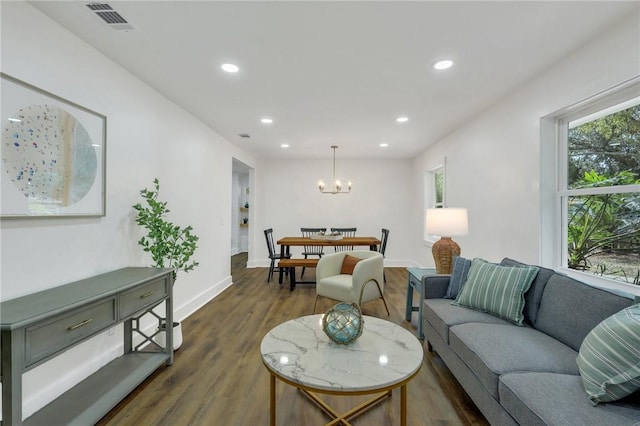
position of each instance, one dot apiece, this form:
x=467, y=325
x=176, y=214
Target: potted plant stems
x=170, y=245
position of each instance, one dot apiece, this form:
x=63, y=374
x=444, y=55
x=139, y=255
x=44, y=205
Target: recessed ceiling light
x=230, y=68
x=443, y=65
x=402, y=119
x=384, y=145
x=266, y=121
x=284, y=145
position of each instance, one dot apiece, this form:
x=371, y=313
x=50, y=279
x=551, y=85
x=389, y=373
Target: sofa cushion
x=558, y=399
x=458, y=276
x=534, y=294
x=441, y=314
x=497, y=289
x=569, y=309
x=609, y=358
x=491, y=350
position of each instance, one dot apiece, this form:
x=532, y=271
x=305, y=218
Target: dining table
x=286, y=243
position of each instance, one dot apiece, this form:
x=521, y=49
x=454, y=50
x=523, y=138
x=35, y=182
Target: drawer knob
x=147, y=294
x=80, y=324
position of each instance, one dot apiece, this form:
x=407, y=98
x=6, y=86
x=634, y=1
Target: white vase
x=177, y=336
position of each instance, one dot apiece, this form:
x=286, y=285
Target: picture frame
x=52, y=155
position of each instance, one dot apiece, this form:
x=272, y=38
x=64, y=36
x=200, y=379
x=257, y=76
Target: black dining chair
x=383, y=246
x=346, y=232
x=273, y=254
x=311, y=250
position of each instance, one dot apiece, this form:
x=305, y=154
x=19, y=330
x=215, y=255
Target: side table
x=414, y=282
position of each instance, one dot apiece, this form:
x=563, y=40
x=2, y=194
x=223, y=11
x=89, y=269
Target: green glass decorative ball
x=343, y=323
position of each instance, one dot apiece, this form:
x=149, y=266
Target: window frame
x=430, y=196
x=554, y=185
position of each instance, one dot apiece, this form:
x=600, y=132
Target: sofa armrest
x=435, y=286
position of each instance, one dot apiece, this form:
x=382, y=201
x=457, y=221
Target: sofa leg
x=429, y=347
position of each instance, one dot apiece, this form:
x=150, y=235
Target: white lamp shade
x=447, y=222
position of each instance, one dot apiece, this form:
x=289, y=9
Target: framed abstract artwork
x=52, y=154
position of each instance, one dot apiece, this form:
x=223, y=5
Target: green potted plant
x=170, y=245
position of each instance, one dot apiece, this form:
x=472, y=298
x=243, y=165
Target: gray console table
x=38, y=327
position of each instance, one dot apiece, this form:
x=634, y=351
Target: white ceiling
x=338, y=73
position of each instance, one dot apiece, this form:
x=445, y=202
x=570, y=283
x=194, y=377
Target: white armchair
x=334, y=285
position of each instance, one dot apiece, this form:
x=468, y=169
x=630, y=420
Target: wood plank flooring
x=218, y=377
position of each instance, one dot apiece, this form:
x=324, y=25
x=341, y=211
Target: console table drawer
x=141, y=297
x=50, y=336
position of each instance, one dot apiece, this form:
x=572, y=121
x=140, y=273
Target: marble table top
x=299, y=351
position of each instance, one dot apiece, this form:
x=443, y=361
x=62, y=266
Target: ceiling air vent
x=110, y=16
x=244, y=135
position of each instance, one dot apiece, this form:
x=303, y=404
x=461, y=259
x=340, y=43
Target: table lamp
x=447, y=223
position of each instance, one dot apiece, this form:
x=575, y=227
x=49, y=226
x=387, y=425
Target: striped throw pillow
x=497, y=290
x=609, y=357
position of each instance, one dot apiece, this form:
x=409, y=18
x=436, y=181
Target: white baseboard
x=201, y=299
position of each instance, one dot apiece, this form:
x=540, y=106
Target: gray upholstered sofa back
x=570, y=309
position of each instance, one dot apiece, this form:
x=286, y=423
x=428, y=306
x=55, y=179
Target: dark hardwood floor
x=218, y=377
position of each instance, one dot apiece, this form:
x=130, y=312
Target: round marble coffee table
x=385, y=357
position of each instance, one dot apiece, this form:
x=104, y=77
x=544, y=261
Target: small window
x=434, y=196
x=438, y=187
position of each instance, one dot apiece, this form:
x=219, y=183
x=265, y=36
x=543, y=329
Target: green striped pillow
x=609, y=358
x=498, y=290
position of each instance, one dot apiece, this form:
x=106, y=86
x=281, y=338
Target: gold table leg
x=403, y=405
x=272, y=411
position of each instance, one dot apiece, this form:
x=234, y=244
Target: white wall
x=493, y=162
x=287, y=198
x=148, y=137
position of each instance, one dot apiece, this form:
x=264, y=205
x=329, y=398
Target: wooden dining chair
x=273, y=254
x=383, y=246
x=311, y=250
x=346, y=232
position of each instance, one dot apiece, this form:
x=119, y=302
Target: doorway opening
x=241, y=213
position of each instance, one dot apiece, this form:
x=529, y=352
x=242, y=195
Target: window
x=598, y=188
x=434, y=196
x=438, y=188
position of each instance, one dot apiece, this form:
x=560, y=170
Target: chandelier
x=337, y=185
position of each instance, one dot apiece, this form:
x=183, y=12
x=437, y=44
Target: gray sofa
x=526, y=375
